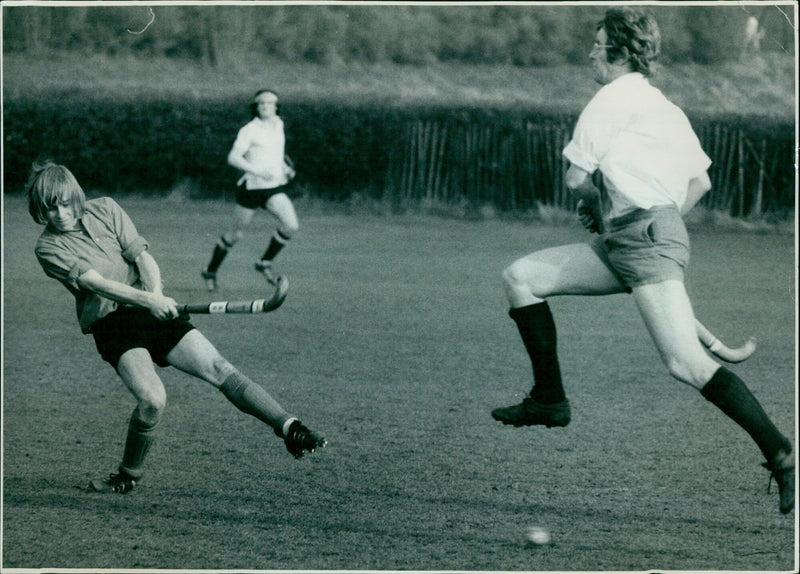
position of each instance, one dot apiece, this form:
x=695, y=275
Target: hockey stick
x=240, y=307
x=722, y=351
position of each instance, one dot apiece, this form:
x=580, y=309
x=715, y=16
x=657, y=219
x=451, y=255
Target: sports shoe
x=119, y=483
x=781, y=469
x=529, y=412
x=299, y=440
x=210, y=278
x=265, y=268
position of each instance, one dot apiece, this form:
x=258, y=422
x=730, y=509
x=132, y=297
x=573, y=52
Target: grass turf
x=394, y=341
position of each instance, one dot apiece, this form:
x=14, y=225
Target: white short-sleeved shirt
x=263, y=144
x=642, y=143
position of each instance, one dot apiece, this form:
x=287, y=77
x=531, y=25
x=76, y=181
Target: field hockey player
x=94, y=250
x=259, y=152
x=654, y=172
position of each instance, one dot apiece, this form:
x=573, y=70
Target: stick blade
x=281, y=290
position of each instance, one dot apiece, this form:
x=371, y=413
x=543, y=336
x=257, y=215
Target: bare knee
x=151, y=404
x=289, y=228
x=524, y=283
x=233, y=237
x=513, y=276
x=692, y=373
x=221, y=369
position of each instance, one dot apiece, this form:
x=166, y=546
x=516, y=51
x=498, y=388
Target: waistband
x=639, y=214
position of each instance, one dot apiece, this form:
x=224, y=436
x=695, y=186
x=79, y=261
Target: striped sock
x=276, y=243
x=220, y=251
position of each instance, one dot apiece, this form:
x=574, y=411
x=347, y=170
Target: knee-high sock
x=137, y=444
x=220, y=251
x=538, y=332
x=276, y=243
x=252, y=399
x=731, y=395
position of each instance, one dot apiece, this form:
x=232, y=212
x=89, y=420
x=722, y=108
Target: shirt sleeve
x=243, y=140
x=597, y=125
x=59, y=264
x=131, y=243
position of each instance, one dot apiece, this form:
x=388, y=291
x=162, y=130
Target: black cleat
x=265, y=268
x=529, y=413
x=116, y=483
x=299, y=440
x=781, y=469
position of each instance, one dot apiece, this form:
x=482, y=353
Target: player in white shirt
x=259, y=152
x=654, y=172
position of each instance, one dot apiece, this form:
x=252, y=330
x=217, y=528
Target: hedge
x=507, y=157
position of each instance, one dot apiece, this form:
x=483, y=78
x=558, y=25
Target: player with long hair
x=93, y=248
x=654, y=171
x=259, y=152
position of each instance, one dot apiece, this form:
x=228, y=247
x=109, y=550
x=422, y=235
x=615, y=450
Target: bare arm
x=698, y=187
x=149, y=272
x=161, y=307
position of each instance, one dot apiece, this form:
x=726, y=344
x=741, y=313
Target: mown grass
x=394, y=340
x=762, y=86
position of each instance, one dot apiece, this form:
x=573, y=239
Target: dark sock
x=252, y=399
x=278, y=242
x=538, y=332
x=220, y=251
x=731, y=395
x=137, y=444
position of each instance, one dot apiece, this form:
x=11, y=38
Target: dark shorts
x=131, y=328
x=645, y=246
x=255, y=198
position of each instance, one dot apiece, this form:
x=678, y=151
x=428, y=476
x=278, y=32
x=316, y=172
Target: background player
x=93, y=248
x=654, y=171
x=259, y=151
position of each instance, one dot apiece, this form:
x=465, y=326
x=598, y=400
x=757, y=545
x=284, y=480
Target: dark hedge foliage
x=339, y=148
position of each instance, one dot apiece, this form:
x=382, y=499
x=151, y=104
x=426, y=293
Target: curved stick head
x=738, y=354
x=281, y=290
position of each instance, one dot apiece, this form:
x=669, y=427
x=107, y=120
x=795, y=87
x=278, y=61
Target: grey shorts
x=645, y=246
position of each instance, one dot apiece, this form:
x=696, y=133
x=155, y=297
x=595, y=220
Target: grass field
x=394, y=341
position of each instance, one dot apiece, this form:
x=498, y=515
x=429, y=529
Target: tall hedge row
x=509, y=158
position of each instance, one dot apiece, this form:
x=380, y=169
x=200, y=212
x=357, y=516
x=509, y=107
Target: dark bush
x=513, y=160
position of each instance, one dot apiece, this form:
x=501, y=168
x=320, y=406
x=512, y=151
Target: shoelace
x=773, y=475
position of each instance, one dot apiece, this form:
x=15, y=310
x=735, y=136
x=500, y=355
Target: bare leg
x=282, y=208
x=242, y=217
x=668, y=316
x=195, y=355
x=136, y=370
x=566, y=270
x=570, y=269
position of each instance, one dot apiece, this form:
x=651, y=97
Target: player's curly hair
x=633, y=34
x=49, y=183
x=254, y=103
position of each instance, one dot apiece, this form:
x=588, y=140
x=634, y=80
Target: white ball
x=538, y=535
